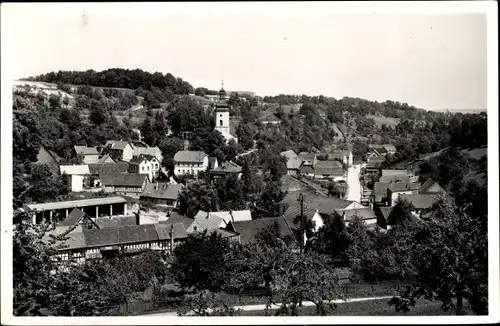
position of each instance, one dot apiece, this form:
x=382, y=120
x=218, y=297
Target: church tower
x=222, y=115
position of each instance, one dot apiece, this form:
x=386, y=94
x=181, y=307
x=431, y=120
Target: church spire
x=222, y=92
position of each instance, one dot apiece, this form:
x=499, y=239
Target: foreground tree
x=451, y=256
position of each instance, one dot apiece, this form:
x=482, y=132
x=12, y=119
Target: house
x=220, y=219
x=421, y=202
x=129, y=184
x=213, y=163
x=105, y=159
x=343, y=156
x=267, y=118
x=105, y=168
x=138, y=150
x=90, y=154
x=430, y=187
x=308, y=159
x=379, y=195
x=248, y=230
x=382, y=150
x=394, y=176
x=293, y=162
x=293, y=212
x=77, y=174
x=396, y=189
x=324, y=205
x=383, y=217
x=225, y=169
x=122, y=148
x=307, y=170
x=372, y=167
x=49, y=158
x=190, y=162
x=161, y=194
x=365, y=214
x=81, y=244
x=190, y=224
x=331, y=170
x=146, y=164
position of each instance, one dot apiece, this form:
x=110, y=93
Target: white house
x=221, y=219
x=145, y=150
x=343, y=156
x=124, y=148
x=139, y=164
x=77, y=173
x=190, y=162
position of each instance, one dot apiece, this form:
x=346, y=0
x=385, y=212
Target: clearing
x=381, y=120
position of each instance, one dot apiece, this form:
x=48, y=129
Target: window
x=142, y=169
x=148, y=167
x=156, y=165
x=221, y=122
x=195, y=228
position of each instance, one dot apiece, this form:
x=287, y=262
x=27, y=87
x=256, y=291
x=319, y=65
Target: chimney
x=137, y=218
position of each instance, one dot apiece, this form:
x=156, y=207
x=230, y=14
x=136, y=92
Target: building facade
x=190, y=162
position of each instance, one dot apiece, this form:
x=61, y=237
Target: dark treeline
x=120, y=78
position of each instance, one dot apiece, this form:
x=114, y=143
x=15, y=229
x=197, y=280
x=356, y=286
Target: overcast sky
x=430, y=61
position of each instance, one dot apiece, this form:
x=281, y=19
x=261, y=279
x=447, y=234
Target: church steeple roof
x=222, y=105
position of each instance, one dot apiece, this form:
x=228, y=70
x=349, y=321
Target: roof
x=328, y=164
x=190, y=156
x=385, y=212
x=421, y=201
x=307, y=156
x=73, y=240
x=152, y=151
x=161, y=190
x=363, y=213
x=84, y=150
x=338, y=155
x=293, y=163
x=109, y=222
x=338, y=172
x=394, y=172
x=106, y=168
x=248, y=230
x=105, y=158
x=325, y=205
x=403, y=186
x=209, y=221
x=74, y=169
x=122, y=234
x=224, y=233
x=381, y=150
x=394, y=179
x=117, y=144
x=306, y=169
x=227, y=216
x=227, y=167
x=294, y=210
x=430, y=186
x=373, y=164
x=73, y=218
x=137, y=159
x=376, y=159
x=289, y=154
x=380, y=188
x=123, y=179
x=165, y=230
x=76, y=203
x=178, y=218
x=45, y=157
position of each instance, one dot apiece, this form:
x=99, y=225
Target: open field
x=380, y=120
x=476, y=153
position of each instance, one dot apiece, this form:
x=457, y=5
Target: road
x=353, y=184
x=262, y=307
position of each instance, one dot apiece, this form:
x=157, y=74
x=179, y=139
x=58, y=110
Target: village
x=139, y=212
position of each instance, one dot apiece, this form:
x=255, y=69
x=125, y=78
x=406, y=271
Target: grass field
x=380, y=120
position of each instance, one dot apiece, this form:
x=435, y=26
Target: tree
x=147, y=132
x=200, y=262
x=401, y=213
x=197, y=196
x=44, y=185
x=207, y=304
x=451, y=258
x=169, y=146
x=229, y=193
x=97, y=114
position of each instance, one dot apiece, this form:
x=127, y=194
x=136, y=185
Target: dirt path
x=353, y=183
x=262, y=307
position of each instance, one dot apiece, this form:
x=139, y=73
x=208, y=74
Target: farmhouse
x=227, y=168
x=248, y=230
x=161, y=194
x=128, y=184
x=122, y=148
x=77, y=174
x=190, y=162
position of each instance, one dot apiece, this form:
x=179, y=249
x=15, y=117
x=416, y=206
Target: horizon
x=433, y=61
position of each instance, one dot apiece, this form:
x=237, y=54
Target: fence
x=258, y=296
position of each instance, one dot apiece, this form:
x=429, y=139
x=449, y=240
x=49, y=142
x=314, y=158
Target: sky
x=433, y=61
